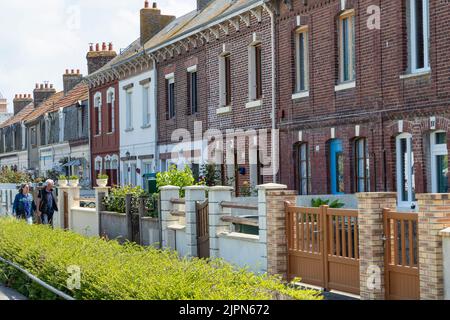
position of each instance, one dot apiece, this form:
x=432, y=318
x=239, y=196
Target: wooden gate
x=401, y=256
x=203, y=229
x=323, y=247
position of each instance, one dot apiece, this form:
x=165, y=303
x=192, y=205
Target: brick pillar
x=100, y=193
x=216, y=225
x=168, y=193
x=433, y=208
x=272, y=225
x=371, y=244
x=194, y=194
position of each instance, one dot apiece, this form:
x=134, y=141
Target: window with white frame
x=439, y=162
x=98, y=113
x=405, y=171
x=133, y=174
x=301, y=59
x=347, y=46
x=128, y=110
x=225, y=79
x=170, y=96
x=255, y=71
x=146, y=116
x=192, y=90
x=147, y=167
x=418, y=34
x=111, y=97
x=126, y=174
x=303, y=169
x=362, y=166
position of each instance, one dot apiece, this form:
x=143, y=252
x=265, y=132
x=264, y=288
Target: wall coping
x=177, y=227
x=111, y=213
x=201, y=188
x=433, y=196
x=220, y=188
x=445, y=233
x=238, y=236
x=272, y=186
x=87, y=210
x=169, y=188
x=376, y=195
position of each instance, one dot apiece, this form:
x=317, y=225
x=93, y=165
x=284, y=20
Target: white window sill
x=177, y=227
x=129, y=130
x=223, y=110
x=146, y=126
x=415, y=74
x=345, y=86
x=300, y=95
x=253, y=104
x=110, y=133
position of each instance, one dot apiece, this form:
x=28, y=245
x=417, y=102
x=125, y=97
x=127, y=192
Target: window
x=301, y=60
x=170, y=89
x=129, y=112
x=405, y=171
x=80, y=120
x=362, y=166
x=33, y=137
x=111, y=115
x=419, y=32
x=133, y=174
x=255, y=72
x=225, y=80
x=347, y=46
x=192, y=92
x=98, y=113
x=336, y=164
x=146, y=106
x=439, y=162
x=303, y=169
x=126, y=174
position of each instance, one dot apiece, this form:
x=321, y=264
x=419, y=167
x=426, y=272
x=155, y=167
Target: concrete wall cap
x=195, y=188
x=169, y=188
x=445, y=233
x=220, y=188
x=433, y=196
x=377, y=195
x=272, y=186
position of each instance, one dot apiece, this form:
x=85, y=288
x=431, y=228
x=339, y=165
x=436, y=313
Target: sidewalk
x=9, y=294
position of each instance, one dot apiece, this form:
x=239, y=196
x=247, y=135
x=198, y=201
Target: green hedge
x=114, y=272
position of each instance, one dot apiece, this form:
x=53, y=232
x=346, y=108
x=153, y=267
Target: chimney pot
x=97, y=47
x=41, y=86
x=146, y=4
x=78, y=71
x=37, y=86
x=91, y=47
x=72, y=71
x=46, y=86
x=51, y=86
x=110, y=46
x=155, y=5
x=104, y=46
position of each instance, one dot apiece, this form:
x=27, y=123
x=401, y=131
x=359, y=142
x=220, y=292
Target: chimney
x=21, y=101
x=202, y=4
x=71, y=79
x=152, y=21
x=42, y=92
x=97, y=58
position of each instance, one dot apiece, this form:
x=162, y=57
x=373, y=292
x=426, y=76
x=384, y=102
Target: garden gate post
x=371, y=243
x=434, y=214
x=272, y=226
x=167, y=194
x=58, y=219
x=100, y=194
x=216, y=225
x=194, y=194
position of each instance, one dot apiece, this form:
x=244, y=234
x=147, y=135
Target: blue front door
x=336, y=167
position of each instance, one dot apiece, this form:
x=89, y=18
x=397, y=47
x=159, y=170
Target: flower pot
x=63, y=183
x=102, y=183
x=74, y=183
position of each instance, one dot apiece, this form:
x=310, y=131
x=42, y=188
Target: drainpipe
x=273, y=54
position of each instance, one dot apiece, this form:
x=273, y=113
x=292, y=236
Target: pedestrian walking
x=24, y=205
x=47, y=203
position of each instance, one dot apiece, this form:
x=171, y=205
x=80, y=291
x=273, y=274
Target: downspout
x=273, y=66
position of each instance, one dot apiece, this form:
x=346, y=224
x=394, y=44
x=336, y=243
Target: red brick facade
x=380, y=99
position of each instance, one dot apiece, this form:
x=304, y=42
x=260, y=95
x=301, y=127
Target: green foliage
x=336, y=204
x=74, y=178
x=102, y=176
x=210, y=175
x=115, y=201
x=110, y=271
x=175, y=177
x=10, y=176
x=62, y=177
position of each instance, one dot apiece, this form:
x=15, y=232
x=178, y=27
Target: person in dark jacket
x=24, y=206
x=47, y=203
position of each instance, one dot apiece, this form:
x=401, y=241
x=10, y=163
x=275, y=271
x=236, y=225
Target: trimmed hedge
x=111, y=271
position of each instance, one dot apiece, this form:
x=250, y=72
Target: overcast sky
x=39, y=39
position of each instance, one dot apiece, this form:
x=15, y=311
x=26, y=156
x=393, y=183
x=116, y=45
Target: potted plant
x=62, y=181
x=74, y=181
x=102, y=180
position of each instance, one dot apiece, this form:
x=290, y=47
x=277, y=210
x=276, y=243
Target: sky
x=40, y=39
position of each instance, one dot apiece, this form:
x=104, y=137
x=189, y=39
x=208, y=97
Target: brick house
x=215, y=73
x=103, y=110
x=364, y=109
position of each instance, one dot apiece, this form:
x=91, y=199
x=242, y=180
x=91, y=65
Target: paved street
x=8, y=294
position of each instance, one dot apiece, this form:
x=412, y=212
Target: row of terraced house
x=349, y=96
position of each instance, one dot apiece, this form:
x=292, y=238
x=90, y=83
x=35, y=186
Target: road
x=9, y=294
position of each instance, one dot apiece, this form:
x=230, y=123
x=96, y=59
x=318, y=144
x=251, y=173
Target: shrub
x=115, y=201
x=336, y=204
x=10, y=176
x=110, y=271
x=62, y=177
x=74, y=178
x=174, y=177
x=210, y=175
x=102, y=176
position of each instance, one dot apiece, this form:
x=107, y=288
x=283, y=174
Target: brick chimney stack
x=152, y=21
x=42, y=92
x=21, y=101
x=97, y=58
x=71, y=79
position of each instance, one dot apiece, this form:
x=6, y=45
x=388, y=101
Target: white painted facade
x=138, y=127
x=15, y=158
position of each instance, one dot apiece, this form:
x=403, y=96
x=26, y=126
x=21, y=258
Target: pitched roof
x=79, y=93
x=44, y=107
x=19, y=117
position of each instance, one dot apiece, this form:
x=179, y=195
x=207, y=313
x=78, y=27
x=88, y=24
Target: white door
x=405, y=171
